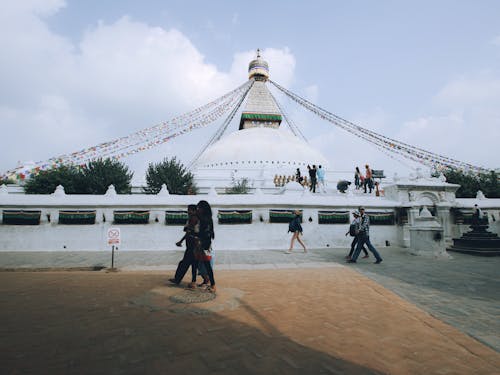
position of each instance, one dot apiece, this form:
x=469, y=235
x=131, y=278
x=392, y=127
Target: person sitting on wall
x=343, y=185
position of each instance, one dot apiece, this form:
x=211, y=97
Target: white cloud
x=469, y=129
x=58, y=97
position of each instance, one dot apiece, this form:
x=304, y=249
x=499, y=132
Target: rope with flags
x=141, y=140
x=218, y=134
x=419, y=155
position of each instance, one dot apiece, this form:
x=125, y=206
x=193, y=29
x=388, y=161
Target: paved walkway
x=462, y=291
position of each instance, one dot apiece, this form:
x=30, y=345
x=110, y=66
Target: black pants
x=353, y=246
x=187, y=260
x=313, y=185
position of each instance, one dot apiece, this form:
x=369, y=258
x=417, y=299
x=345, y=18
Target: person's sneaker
x=366, y=256
x=351, y=261
x=288, y=252
x=173, y=281
x=378, y=261
x=347, y=257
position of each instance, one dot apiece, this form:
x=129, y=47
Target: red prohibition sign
x=114, y=233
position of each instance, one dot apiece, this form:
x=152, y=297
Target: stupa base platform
x=478, y=242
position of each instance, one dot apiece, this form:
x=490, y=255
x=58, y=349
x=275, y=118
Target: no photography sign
x=113, y=236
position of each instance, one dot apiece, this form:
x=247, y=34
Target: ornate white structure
x=260, y=148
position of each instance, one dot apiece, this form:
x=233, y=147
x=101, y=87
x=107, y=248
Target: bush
x=239, y=186
x=470, y=183
x=99, y=174
x=172, y=173
x=45, y=182
x=93, y=178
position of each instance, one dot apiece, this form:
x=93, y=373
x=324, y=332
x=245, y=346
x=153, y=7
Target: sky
x=77, y=73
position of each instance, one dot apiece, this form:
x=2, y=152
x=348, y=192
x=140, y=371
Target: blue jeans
x=363, y=239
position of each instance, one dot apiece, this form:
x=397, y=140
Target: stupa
x=261, y=148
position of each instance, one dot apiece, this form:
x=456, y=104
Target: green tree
x=100, y=173
x=470, y=183
x=45, y=182
x=172, y=173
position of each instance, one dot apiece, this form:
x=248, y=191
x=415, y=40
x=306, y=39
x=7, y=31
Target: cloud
x=59, y=96
x=468, y=128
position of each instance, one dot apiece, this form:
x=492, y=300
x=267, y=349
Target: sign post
x=113, y=239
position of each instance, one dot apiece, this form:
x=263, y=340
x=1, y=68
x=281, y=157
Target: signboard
x=113, y=236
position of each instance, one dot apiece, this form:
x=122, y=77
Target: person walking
x=352, y=232
x=191, y=230
x=363, y=234
x=206, y=235
x=357, y=178
x=320, y=173
x=296, y=228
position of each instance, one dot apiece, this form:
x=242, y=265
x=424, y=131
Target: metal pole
x=113, y=257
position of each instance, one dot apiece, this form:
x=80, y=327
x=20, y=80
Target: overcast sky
x=77, y=73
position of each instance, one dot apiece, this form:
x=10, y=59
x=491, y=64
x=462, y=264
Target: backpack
x=352, y=230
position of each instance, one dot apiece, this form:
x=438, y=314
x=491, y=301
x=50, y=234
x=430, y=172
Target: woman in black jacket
x=206, y=235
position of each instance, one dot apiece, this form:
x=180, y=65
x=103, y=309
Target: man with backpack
x=352, y=232
x=363, y=234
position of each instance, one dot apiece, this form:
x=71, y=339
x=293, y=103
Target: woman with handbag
x=206, y=235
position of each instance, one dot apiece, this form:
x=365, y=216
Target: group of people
x=359, y=230
x=316, y=178
x=364, y=181
x=199, y=233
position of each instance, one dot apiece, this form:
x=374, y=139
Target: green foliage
x=92, y=178
x=46, y=182
x=99, y=174
x=239, y=186
x=172, y=173
x=470, y=183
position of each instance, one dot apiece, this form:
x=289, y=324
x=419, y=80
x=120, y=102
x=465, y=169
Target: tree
x=93, y=178
x=470, y=183
x=172, y=173
x=99, y=174
x=45, y=182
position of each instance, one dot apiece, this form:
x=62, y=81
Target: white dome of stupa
x=260, y=147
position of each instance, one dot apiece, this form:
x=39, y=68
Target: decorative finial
x=258, y=52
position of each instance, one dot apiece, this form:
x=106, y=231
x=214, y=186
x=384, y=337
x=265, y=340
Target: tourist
x=477, y=215
x=368, y=178
x=343, y=185
x=363, y=234
x=357, y=178
x=321, y=179
x=352, y=232
x=312, y=177
x=191, y=230
x=298, y=176
x=296, y=228
x=206, y=235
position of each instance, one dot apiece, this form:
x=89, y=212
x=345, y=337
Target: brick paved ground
x=462, y=291
x=291, y=321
